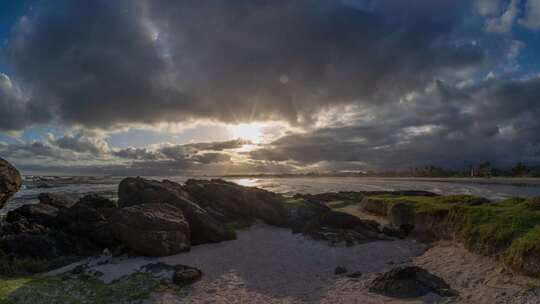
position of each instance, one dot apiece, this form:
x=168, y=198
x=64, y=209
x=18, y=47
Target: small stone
x=185, y=275
x=340, y=270
x=355, y=275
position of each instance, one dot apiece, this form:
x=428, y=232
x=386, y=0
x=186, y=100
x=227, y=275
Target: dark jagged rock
x=10, y=181
x=355, y=275
x=204, y=227
x=340, y=270
x=402, y=216
x=152, y=229
x=374, y=206
x=56, y=200
x=240, y=203
x=185, y=275
x=300, y=216
x=89, y=218
x=37, y=213
x=409, y=282
x=341, y=220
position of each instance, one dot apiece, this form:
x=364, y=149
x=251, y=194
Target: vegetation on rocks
x=67, y=290
x=509, y=229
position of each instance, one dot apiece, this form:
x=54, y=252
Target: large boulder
x=204, y=227
x=244, y=203
x=89, y=218
x=409, y=282
x=302, y=216
x=152, y=229
x=42, y=214
x=10, y=181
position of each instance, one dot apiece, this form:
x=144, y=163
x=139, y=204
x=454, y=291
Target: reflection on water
x=495, y=189
x=247, y=182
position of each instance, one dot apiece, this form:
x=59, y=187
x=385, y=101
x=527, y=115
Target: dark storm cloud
x=179, y=152
x=219, y=145
x=136, y=154
x=100, y=63
x=496, y=120
x=82, y=143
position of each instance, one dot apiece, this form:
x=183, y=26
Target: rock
x=299, y=217
x=355, y=275
x=374, y=206
x=341, y=220
x=395, y=232
x=29, y=245
x=401, y=215
x=340, y=270
x=52, y=245
x=185, y=275
x=89, y=218
x=409, y=282
x=56, y=200
x=152, y=229
x=240, y=203
x=36, y=213
x=10, y=181
x=204, y=228
x=98, y=202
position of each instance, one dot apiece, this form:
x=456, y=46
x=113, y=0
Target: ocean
x=494, y=189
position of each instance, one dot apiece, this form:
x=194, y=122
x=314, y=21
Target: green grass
x=508, y=229
x=21, y=266
x=341, y=204
x=61, y=290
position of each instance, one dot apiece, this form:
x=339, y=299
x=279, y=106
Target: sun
x=250, y=131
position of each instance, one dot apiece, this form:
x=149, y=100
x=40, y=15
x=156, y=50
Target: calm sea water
x=495, y=189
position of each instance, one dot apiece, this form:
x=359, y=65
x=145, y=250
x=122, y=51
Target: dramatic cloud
x=101, y=63
x=82, y=143
x=352, y=84
x=442, y=125
x=532, y=15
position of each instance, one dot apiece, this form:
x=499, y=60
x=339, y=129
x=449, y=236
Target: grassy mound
x=64, y=290
x=509, y=229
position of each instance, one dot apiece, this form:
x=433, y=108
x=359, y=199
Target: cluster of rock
x=154, y=218
x=314, y=218
x=10, y=181
x=400, y=215
x=150, y=218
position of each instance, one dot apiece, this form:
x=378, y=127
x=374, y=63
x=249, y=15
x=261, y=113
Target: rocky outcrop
x=152, y=229
x=56, y=200
x=204, y=227
x=41, y=214
x=374, y=206
x=301, y=216
x=89, y=218
x=402, y=216
x=409, y=282
x=10, y=181
x=237, y=202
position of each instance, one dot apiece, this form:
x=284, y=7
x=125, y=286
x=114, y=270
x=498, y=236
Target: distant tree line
x=483, y=169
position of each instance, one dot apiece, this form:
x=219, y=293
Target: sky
x=161, y=87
